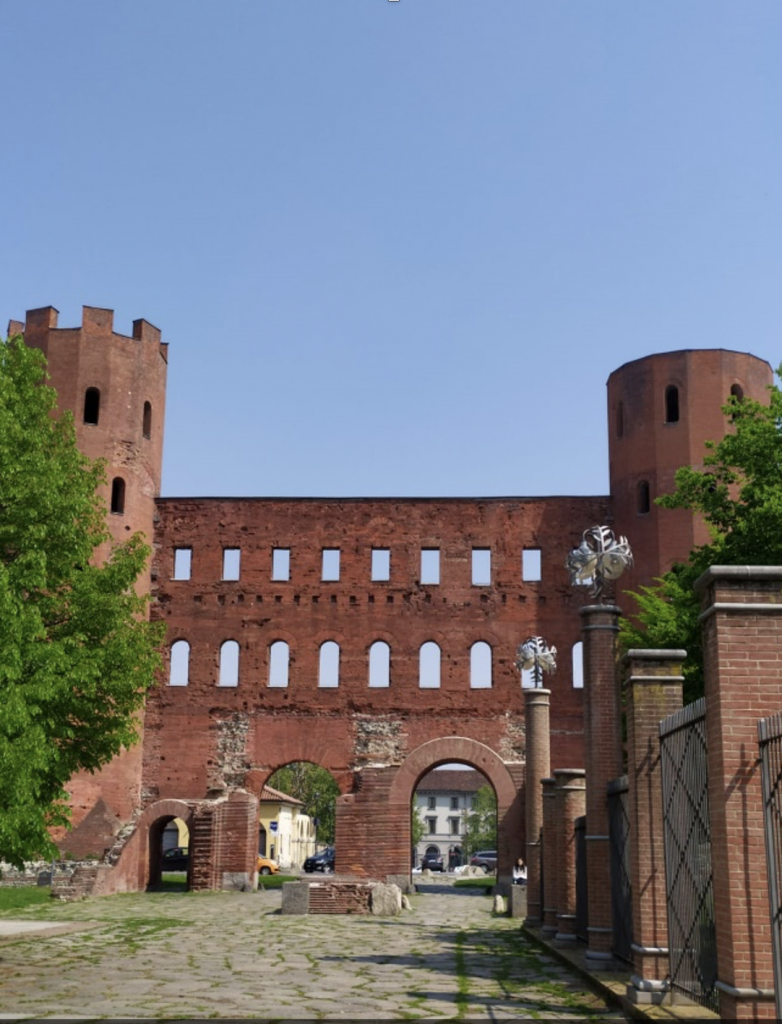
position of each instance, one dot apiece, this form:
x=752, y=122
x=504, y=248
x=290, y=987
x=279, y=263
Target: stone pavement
x=233, y=955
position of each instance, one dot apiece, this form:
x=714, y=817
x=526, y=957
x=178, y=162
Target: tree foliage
x=739, y=495
x=318, y=791
x=481, y=831
x=417, y=826
x=76, y=652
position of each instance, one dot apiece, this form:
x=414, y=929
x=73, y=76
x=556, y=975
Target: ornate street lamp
x=598, y=559
x=536, y=654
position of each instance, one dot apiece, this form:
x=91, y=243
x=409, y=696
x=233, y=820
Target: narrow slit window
x=671, y=404
x=379, y=665
x=328, y=675
x=643, y=498
x=481, y=567
x=430, y=565
x=578, y=666
x=480, y=666
x=527, y=679
x=229, y=663
x=429, y=666
x=179, y=668
x=232, y=561
x=146, y=424
x=381, y=565
x=620, y=419
x=330, y=571
x=183, y=561
x=281, y=564
x=279, y=662
x=91, y=406
x=530, y=565
x=118, y=496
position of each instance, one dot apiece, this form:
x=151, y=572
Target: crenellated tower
x=116, y=387
x=661, y=411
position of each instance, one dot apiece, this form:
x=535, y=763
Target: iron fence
x=692, y=939
x=770, y=741
x=582, y=896
x=619, y=852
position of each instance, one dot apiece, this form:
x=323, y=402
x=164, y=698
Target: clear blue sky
x=396, y=246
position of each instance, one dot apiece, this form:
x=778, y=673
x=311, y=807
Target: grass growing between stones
x=462, y=981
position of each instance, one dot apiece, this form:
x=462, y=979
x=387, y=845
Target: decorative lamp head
x=599, y=558
x=535, y=654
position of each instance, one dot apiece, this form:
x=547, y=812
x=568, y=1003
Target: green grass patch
x=487, y=882
x=26, y=896
x=275, y=881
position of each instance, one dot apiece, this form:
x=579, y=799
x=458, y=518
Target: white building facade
x=443, y=801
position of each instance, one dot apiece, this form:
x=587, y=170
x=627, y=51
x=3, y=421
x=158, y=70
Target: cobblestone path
x=233, y=955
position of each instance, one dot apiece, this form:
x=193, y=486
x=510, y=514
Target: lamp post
x=535, y=654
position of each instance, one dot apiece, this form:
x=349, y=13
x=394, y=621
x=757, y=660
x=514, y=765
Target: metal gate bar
x=770, y=741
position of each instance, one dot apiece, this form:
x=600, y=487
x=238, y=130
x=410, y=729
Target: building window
x=643, y=498
x=330, y=571
x=118, y=496
x=328, y=675
x=620, y=419
x=430, y=565
x=480, y=666
x=737, y=391
x=431, y=802
x=481, y=567
x=381, y=565
x=379, y=664
x=229, y=664
x=232, y=559
x=146, y=425
x=429, y=666
x=671, y=404
x=453, y=826
x=530, y=565
x=454, y=803
x=281, y=564
x=183, y=560
x=279, y=661
x=431, y=826
x=91, y=406
x=179, y=668
x=578, y=665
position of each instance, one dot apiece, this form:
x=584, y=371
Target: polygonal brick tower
x=116, y=387
x=661, y=411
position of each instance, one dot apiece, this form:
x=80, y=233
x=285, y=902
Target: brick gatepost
x=603, y=762
x=569, y=804
x=536, y=716
x=742, y=643
x=550, y=860
x=653, y=690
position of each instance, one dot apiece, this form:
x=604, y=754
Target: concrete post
x=536, y=718
x=570, y=803
x=550, y=860
x=653, y=690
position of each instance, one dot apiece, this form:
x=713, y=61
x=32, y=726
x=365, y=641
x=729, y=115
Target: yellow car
x=266, y=866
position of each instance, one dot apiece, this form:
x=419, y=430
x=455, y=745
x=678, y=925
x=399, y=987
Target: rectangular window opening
x=430, y=565
x=231, y=561
x=182, y=563
x=454, y=803
x=330, y=564
x=381, y=565
x=431, y=824
x=530, y=565
x=432, y=801
x=281, y=564
x=481, y=567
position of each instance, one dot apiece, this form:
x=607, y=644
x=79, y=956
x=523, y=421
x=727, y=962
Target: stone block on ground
x=385, y=900
x=295, y=898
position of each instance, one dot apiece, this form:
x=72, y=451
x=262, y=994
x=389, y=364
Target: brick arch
x=454, y=748
x=144, y=828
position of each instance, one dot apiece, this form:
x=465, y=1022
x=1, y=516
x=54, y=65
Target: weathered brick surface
x=569, y=804
x=537, y=709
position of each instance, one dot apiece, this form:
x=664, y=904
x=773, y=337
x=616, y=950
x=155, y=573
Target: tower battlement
x=95, y=320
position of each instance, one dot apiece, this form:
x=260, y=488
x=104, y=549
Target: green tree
x=739, y=495
x=76, y=652
x=417, y=827
x=481, y=831
x=317, y=790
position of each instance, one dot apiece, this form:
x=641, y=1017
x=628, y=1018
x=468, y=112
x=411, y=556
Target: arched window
x=671, y=404
x=380, y=664
x=578, y=665
x=118, y=495
x=91, y=406
x=229, y=664
x=480, y=666
x=643, y=498
x=146, y=425
x=429, y=666
x=737, y=391
x=620, y=419
x=279, y=661
x=328, y=675
x=179, y=667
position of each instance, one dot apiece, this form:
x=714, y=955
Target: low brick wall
x=334, y=897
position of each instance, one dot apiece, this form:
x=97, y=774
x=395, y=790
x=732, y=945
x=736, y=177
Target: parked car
x=322, y=861
x=266, y=866
x=433, y=861
x=486, y=859
x=175, y=859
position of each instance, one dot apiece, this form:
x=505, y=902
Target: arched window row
x=91, y=415
x=329, y=656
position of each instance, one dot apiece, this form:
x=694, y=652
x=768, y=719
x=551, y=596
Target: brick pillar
x=603, y=762
x=653, y=690
x=550, y=860
x=569, y=804
x=742, y=645
x=536, y=719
